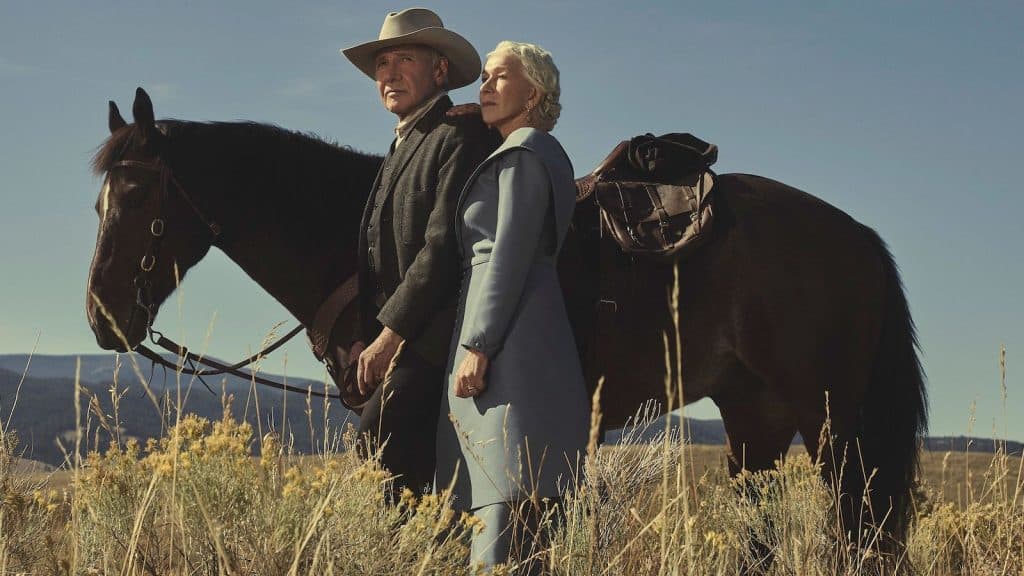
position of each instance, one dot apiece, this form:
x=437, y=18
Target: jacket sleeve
x=524, y=192
x=432, y=277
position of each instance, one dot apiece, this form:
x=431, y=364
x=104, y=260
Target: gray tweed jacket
x=417, y=272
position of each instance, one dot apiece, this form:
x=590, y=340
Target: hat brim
x=463, y=59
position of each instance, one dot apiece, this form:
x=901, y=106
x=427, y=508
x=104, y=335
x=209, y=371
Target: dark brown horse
x=791, y=301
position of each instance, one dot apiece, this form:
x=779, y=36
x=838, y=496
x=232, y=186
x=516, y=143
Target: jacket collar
x=401, y=155
x=406, y=125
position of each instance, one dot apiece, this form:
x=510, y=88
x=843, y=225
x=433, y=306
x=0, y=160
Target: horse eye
x=132, y=195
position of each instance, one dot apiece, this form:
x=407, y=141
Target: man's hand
x=373, y=361
x=467, y=109
x=354, y=351
x=469, y=378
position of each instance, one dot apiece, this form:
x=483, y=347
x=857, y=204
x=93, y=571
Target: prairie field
x=213, y=498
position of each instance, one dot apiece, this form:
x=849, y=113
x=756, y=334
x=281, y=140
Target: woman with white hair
x=515, y=418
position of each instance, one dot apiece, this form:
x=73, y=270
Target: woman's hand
x=469, y=377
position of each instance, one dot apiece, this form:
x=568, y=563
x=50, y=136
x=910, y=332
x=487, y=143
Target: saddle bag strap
x=627, y=216
x=658, y=207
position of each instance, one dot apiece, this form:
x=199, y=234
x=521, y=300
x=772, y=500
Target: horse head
x=150, y=230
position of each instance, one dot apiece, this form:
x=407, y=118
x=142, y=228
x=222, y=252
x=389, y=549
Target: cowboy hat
x=420, y=26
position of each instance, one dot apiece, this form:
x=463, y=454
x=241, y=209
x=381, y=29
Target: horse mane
x=114, y=147
x=241, y=134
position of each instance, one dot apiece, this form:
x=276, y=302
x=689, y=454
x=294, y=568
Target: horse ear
x=114, y=119
x=142, y=111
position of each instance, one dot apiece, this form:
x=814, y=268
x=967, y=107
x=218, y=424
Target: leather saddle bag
x=655, y=193
x=657, y=219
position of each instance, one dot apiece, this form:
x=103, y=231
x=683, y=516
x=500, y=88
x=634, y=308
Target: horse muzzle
x=119, y=337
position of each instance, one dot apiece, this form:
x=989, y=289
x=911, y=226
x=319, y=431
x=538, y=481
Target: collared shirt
x=406, y=124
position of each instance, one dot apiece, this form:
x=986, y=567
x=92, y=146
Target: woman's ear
x=534, y=98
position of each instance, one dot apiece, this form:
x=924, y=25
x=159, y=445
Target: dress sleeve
x=524, y=192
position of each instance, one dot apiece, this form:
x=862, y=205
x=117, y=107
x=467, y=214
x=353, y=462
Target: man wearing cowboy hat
x=408, y=261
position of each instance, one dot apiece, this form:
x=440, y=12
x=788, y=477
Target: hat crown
x=408, y=21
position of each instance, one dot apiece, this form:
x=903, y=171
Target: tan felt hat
x=420, y=26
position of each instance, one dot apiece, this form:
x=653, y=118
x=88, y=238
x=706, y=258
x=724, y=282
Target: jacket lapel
x=407, y=149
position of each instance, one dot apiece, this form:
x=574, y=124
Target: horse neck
x=289, y=212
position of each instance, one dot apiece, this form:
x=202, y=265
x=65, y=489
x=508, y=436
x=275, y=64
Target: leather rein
x=326, y=315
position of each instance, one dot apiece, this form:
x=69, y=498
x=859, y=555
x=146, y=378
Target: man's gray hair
x=539, y=68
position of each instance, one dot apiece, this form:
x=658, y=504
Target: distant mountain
x=973, y=444
x=45, y=409
x=713, y=432
x=99, y=369
x=45, y=412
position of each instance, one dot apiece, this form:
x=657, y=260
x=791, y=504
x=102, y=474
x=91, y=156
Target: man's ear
x=441, y=72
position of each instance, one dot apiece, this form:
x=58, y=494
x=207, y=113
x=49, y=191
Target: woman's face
x=505, y=93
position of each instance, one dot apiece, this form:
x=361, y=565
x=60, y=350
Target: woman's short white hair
x=541, y=71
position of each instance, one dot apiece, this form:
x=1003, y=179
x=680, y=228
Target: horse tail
x=895, y=411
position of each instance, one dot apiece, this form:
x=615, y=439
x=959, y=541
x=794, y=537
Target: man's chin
x=398, y=106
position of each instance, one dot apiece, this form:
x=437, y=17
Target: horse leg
x=848, y=471
x=759, y=423
x=760, y=426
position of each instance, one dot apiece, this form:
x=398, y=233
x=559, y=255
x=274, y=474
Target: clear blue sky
x=905, y=115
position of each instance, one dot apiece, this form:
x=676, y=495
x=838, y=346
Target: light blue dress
x=527, y=432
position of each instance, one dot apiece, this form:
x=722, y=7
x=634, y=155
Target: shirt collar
x=406, y=124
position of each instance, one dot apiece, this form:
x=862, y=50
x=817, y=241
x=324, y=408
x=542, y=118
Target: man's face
x=406, y=77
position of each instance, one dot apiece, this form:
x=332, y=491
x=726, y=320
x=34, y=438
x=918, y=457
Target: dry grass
x=199, y=502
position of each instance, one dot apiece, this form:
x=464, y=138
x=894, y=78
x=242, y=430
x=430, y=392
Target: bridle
x=144, y=300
